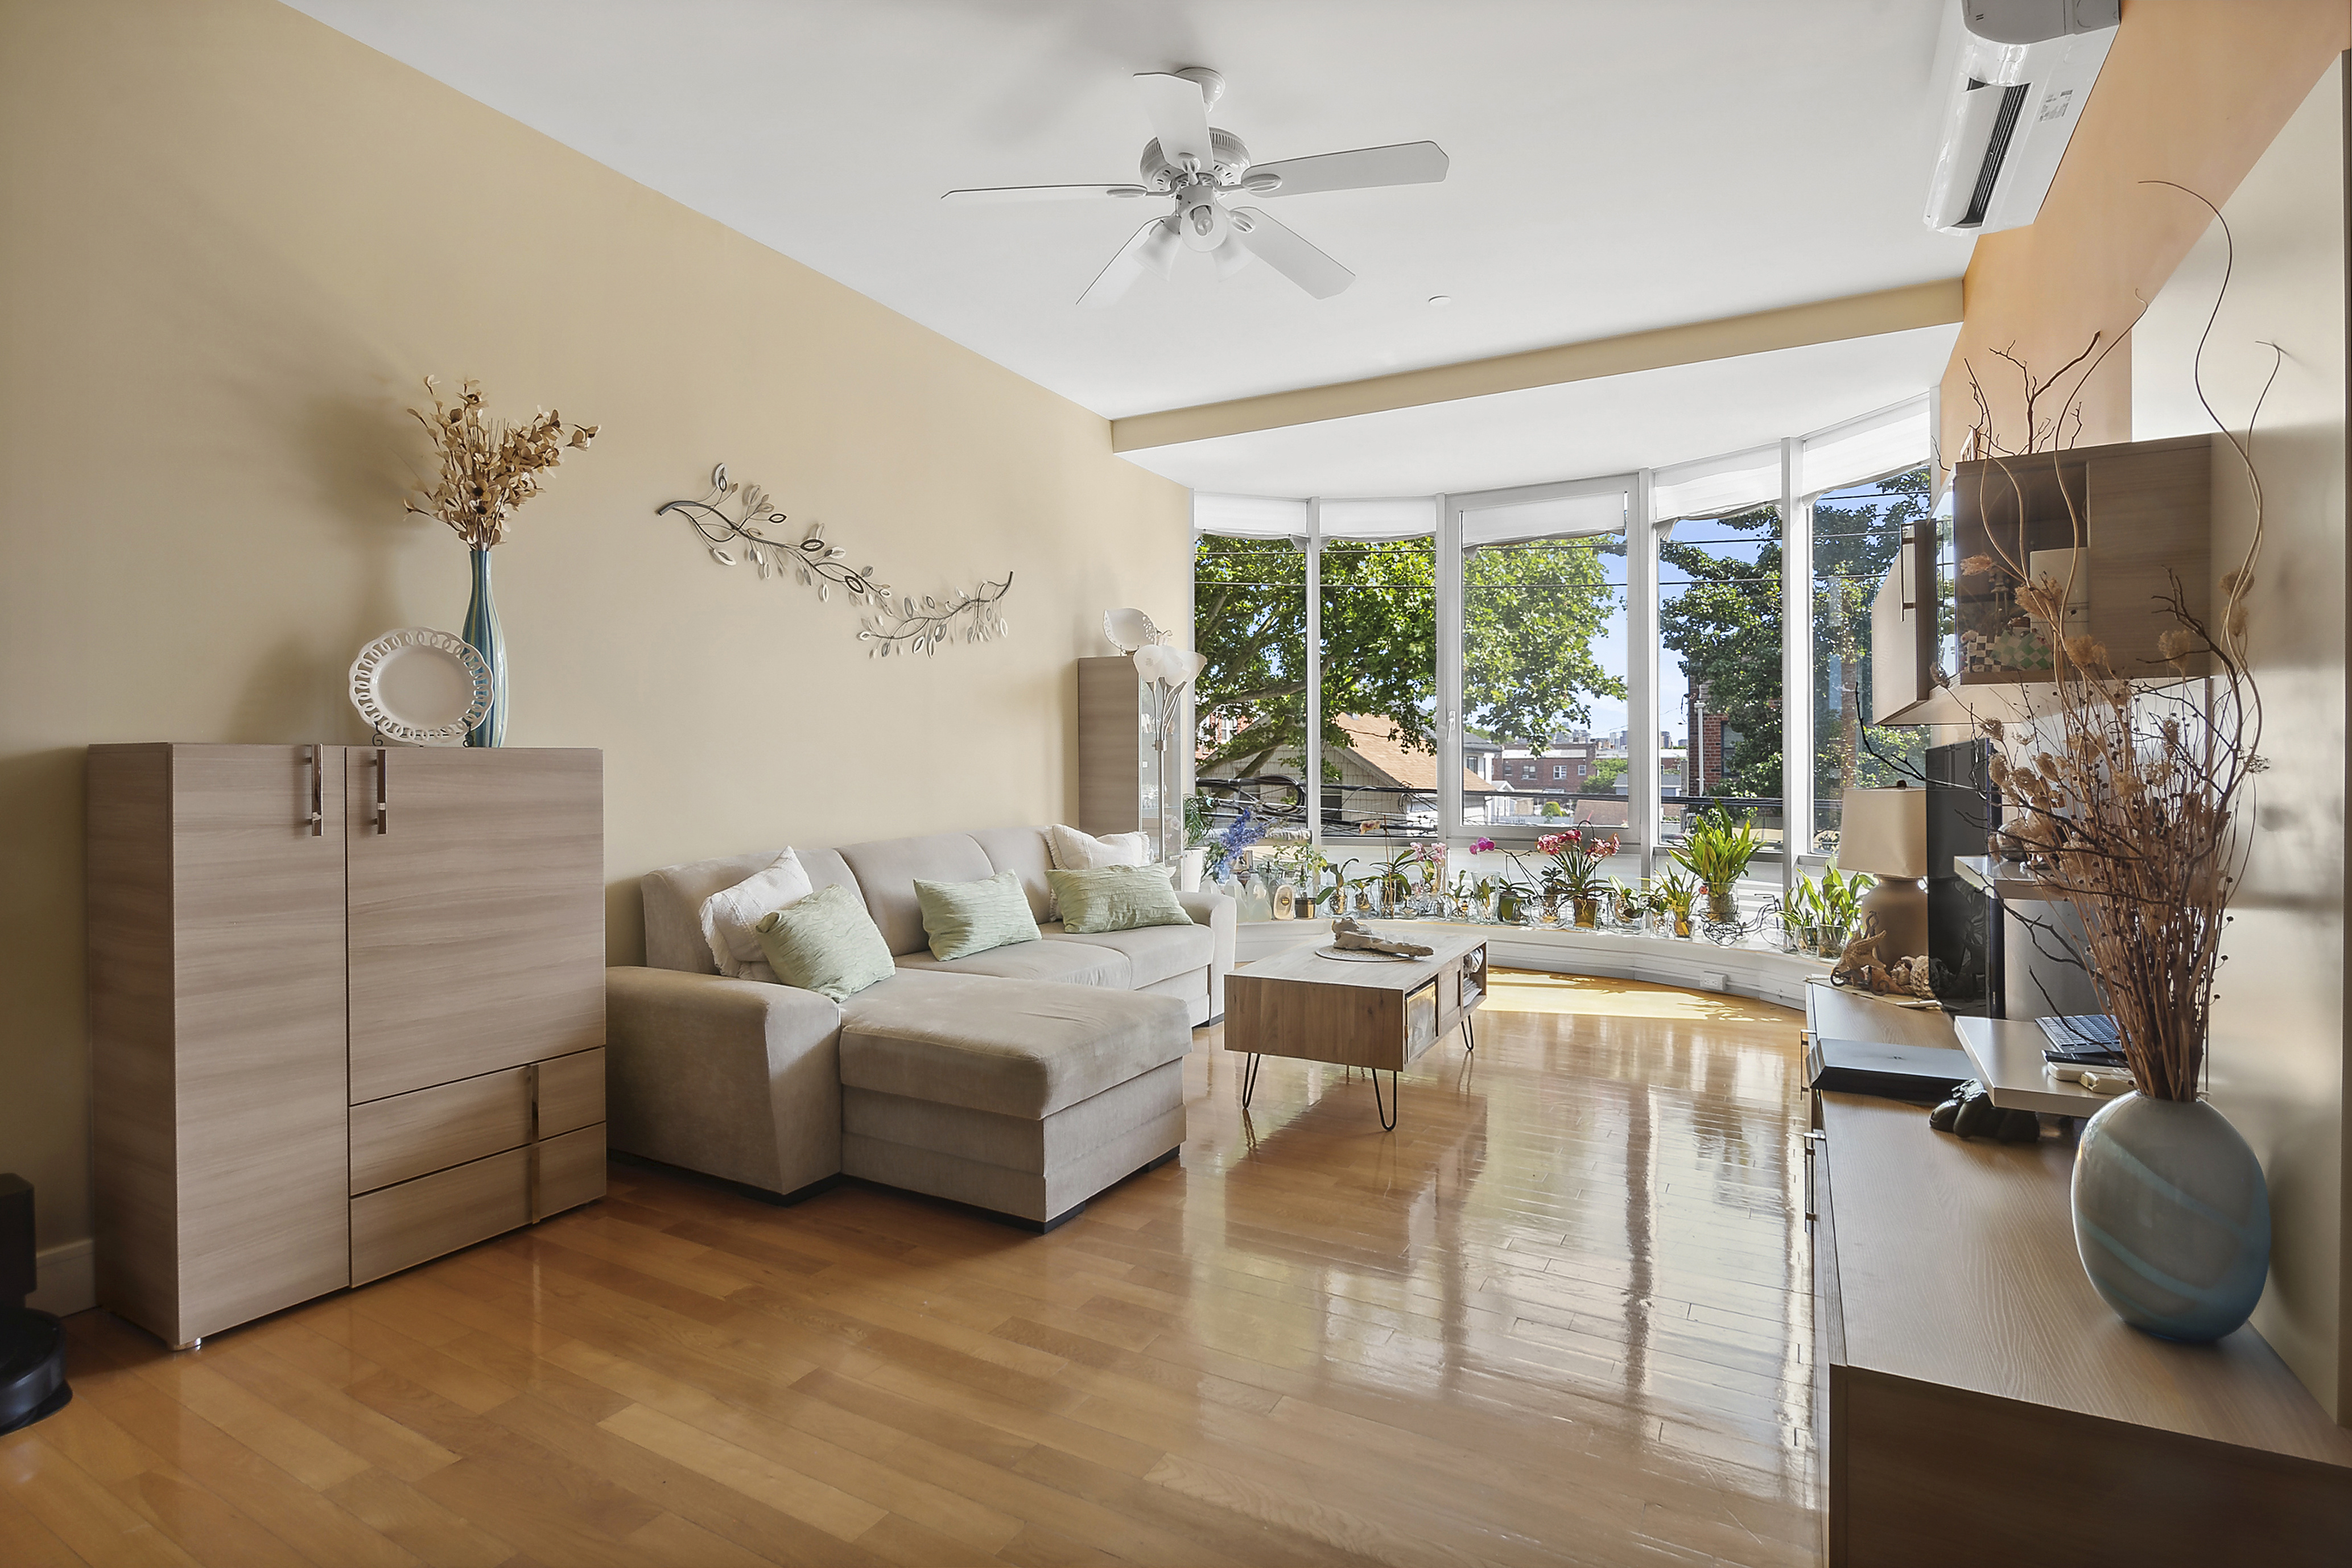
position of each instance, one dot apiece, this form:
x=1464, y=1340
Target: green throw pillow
x=1117, y=898
x=965, y=918
x=827, y=943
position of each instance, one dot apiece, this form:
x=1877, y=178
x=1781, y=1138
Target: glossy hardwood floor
x=1559, y=1315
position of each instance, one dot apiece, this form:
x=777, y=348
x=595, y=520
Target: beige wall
x=231, y=240
x=2191, y=91
x=2278, y=1066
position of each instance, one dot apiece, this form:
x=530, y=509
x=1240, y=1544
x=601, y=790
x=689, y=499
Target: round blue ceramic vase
x=2172, y=1217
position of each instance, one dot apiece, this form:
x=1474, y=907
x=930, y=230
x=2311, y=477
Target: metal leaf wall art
x=895, y=623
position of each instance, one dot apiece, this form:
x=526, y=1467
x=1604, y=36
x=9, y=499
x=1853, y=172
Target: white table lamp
x=1885, y=832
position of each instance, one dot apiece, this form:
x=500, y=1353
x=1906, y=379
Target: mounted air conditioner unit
x=2013, y=74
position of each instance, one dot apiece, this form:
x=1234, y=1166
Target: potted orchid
x=1627, y=904
x=1576, y=861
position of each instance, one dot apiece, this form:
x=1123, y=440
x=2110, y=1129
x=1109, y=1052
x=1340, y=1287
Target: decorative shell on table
x=424, y=687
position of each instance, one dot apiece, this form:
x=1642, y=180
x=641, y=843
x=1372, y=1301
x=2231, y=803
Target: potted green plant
x=1676, y=894
x=1717, y=852
x=1801, y=915
x=1626, y=902
x=1839, y=900
x=1575, y=872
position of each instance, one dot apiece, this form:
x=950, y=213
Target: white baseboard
x=68, y=1279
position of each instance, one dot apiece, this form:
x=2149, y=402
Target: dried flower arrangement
x=488, y=467
x=2124, y=794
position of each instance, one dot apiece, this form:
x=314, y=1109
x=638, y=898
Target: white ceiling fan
x=1200, y=167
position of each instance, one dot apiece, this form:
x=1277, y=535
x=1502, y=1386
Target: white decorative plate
x=421, y=686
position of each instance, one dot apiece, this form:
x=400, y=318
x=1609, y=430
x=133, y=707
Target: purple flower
x=1482, y=847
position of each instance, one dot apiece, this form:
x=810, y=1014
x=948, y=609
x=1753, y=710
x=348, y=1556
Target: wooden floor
x=1559, y=1315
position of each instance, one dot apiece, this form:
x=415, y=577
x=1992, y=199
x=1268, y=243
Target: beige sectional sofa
x=1022, y=1081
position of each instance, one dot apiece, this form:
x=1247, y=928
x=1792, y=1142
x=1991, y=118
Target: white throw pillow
x=1075, y=851
x=730, y=916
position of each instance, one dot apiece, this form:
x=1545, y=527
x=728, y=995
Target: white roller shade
x=1870, y=446
x=1558, y=517
x=1712, y=486
x=1248, y=517
x=1381, y=517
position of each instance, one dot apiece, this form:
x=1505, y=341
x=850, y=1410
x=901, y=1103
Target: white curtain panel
x=1871, y=446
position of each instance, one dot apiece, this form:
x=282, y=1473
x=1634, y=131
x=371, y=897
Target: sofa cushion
x=961, y=919
x=1116, y=898
x=1154, y=954
x=1017, y=1049
x=1024, y=852
x=886, y=869
x=1071, y=963
x=731, y=917
x=674, y=897
x=826, y=943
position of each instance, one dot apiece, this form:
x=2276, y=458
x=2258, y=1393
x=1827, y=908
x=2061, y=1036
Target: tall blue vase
x=2172, y=1217
x=482, y=632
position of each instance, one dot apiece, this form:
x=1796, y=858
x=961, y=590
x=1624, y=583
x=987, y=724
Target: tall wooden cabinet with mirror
x=347, y=1013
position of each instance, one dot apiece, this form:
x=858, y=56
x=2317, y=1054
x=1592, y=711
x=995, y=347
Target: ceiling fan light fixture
x=1204, y=222
x=1159, y=252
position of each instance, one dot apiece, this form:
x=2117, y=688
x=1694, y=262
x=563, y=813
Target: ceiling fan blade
x=1153, y=248
x=1406, y=163
x=1292, y=257
x=1039, y=194
x=1180, y=117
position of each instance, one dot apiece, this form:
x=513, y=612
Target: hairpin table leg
x=1469, y=1034
x=1249, y=1080
x=1389, y=1107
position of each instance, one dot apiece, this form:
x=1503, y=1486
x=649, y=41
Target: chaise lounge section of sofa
x=1022, y=1081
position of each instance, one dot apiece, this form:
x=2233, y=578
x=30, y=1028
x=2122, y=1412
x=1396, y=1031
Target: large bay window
x=1616, y=652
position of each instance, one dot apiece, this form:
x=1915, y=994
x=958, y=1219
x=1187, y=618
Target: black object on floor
x=32, y=1367
x=32, y=1344
x=1925, y=1074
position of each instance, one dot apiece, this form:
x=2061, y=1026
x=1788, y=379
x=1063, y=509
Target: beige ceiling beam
x=1793, y=326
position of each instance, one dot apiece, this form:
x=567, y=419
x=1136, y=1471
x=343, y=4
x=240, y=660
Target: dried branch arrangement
x=2125, y=795
x=896, y=624
x=488, y=467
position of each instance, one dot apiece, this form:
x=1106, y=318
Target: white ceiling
x=1577, y=430
x=1616, y=166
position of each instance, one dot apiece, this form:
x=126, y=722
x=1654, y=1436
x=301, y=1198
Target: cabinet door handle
x=382, y=785
x=1813, y=1142
x=317, y=818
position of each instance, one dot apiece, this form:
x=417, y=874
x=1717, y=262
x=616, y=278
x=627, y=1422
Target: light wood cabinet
x=321, y=981
x=1118, y=767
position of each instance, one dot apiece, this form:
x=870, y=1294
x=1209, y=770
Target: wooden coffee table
x=1376, y=1016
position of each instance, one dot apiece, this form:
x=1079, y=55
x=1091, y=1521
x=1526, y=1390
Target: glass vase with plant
x=1715, y=852
x=1576, y=859
x=1626, y=903
x=1227, y=844
x=1481, y=899
x=1840, y=901
x=1676, y=894
x=1801, y=917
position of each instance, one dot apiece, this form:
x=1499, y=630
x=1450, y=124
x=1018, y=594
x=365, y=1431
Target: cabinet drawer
x=441, y=1126
x=570, y=1092
x=570, y=1171
x=394, y=1227
x=432, y=1129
